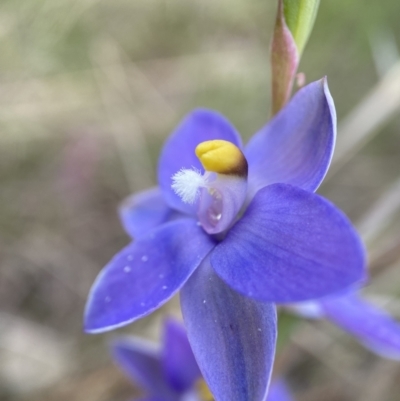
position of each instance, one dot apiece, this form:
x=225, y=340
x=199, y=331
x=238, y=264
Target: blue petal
x=179, y=150
x=372, y=326
x=143, y=211
x=232, y=337
x=290, y=246
x=278, y=391
x=177, y=356
x=296, y=147
x=141, y=363
x=145, y=275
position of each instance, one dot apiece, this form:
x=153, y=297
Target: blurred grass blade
x=381, y=213
x=384, y=50
x=380, y=105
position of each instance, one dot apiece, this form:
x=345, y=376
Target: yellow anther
x=203, y=391
x=222, y=157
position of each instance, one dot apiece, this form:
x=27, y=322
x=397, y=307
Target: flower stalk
x=294, y=22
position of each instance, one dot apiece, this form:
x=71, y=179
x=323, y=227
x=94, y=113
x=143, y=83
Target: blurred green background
x=89, y=90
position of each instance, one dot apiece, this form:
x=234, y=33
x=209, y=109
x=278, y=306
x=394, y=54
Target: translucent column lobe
x=220, y=202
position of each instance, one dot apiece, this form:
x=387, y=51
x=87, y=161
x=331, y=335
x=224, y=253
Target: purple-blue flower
x=170, y=372
x=234, y=228
x=373, y=327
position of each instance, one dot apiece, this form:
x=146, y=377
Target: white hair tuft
x=186, y=184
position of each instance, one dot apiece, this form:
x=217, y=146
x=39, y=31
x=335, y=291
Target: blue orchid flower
x=167, y=374
x=236, y=229
x=373, y=327
x=170, y=372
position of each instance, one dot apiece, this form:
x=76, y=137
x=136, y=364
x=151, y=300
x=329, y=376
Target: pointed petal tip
x=231, y=336
x=97, y=323
x=331, y=105
x=92, y=324
x=141, y=277
x=93, y=328
x=296, y=146
x=320, y=85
